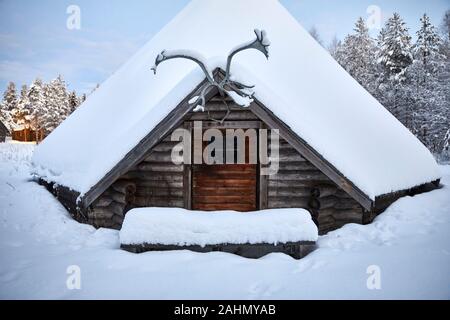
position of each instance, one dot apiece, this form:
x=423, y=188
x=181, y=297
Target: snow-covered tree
x=83, y=98
x=56, y=107
x=36, y=96
x=21, y=114
x=10, y=97
x=427, y=47
x=394, y=53
x=356, y=55
x=74, y=102
x=334, y=46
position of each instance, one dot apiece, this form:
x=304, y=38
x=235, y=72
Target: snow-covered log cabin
x=342, y=155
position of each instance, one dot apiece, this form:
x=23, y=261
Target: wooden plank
x=288, y=202
x=213, y=191
x=224, y=206
x=219, y=183
x=316, y=176
x=290, y=192
x=224, y=199
x=159, y=202
x=159, y=167
x=160, y=191
x=165, y=157
x=165, y=146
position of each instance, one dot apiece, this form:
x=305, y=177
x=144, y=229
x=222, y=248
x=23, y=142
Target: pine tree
x=356, y=55
x=36, y=96
x=426, y=49
x=10, y=97
x=395, y=49
x=83, y=98
x=73, y=102
x=394, y=58
x=21, y=114
x=334, y=47
x=56, y=107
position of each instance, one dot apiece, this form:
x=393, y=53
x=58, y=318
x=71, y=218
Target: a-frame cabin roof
x=300, y=83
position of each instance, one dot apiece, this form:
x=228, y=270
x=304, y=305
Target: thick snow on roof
x=300, y=83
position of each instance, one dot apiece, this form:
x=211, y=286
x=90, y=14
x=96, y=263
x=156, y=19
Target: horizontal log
x=118, y=220
x=348, y=216
x=287, y=202
x=103, y=201
x=348, y=204
x=178, y=184
x=159, y=167
x=165, y=147
x=290, y=192
x=124, y=186
x=231, y=168
x=326, y=190
x=289, y=184
x=220, y=183
x=218, y=207
x=306, y=175
x=234, y=115
x=286, y=158
x=158, y=202
x=101, y=213
x=223, y=175
x=296, y=166
x=164, y=157
x=168, y=138
x=223, y=199
x=234, y=191
x=326, y=220
x=327, y=227
x=160, y=192
x=218, y=105
x=114, y=195
x=139, y=177
x=328, y=202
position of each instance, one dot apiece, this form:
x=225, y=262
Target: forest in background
x=410, y=79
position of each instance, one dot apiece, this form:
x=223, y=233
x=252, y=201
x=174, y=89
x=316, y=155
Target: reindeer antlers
x=261, y=43
x=181, y=54
x=237, y=91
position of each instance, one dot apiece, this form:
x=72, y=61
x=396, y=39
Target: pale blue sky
x=34, y=40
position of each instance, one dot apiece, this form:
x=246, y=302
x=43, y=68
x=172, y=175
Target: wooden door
x=225, y=186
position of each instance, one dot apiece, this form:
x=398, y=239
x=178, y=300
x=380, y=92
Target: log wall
x=157, y=182
x=299, y=184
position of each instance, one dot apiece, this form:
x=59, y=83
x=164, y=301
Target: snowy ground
x=410, y=243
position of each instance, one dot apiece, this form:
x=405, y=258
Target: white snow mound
x=175, y=226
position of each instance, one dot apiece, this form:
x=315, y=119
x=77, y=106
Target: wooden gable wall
x=157, y=182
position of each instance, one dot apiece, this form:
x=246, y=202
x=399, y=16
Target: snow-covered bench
x=250, y=235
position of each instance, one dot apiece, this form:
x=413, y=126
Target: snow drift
x=175, y=226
